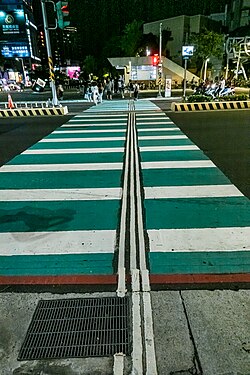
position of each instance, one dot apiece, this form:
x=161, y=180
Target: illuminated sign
x=187, y=51
x=12, y=23
x=20, y=49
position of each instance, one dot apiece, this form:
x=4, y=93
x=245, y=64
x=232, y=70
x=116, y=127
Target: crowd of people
x=95, y=91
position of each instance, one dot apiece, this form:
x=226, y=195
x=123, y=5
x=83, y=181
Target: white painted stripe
x=142, y=137
x=154, y=114
x=203, y=191
x=155, y=123
x=200, y=239
x=89, y=131
x=178, y=164
x=61, y=167
x=124, y=124
x=60, y=194
x=50, y=140
x=54, y=140
x=106, y=150
x=57, y=242
x=169, y=148
x=118, y=367
x=98, y=117
x=151, y=368
x=159, y=129
x=73, y=151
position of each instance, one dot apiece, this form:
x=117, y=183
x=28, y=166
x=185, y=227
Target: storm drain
x=86, y=327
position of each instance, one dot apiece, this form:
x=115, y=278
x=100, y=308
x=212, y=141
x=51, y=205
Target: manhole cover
x=85, y=327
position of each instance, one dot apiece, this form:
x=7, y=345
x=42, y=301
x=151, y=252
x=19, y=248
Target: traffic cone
x=10, y=102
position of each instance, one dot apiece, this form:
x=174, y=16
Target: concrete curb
x=209, y=106
x=20, y=112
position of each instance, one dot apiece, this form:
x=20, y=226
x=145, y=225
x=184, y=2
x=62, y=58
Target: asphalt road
x=224, y=138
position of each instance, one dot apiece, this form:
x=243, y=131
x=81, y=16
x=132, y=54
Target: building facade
x=18, y=32
x=237, y=14
x=180, y=28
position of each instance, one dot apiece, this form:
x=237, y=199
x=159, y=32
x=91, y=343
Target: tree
x=207, y=44
x=90, y=64
x=131, y=38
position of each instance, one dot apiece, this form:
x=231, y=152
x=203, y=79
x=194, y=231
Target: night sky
x=99, y=20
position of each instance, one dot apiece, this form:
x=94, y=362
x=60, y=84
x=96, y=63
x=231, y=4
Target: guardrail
x=34, y=111
x=209, y=106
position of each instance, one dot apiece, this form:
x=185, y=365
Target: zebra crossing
x=60, y=204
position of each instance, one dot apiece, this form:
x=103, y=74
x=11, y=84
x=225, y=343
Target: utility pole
x=50, y=61
x=160, y=62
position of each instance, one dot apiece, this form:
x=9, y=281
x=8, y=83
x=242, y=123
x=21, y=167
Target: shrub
x=198, y=98
x=233, y=98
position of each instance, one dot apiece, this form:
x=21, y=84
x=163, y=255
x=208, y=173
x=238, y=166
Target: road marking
x=60, y=194
x=61, y=167
x=199, y=239
x=71, y=151
x=204, y=191
x=158, y=129
x=89, y=131
x=63, y=242
x=178, y=164
x=102, y=139
x=169, y=148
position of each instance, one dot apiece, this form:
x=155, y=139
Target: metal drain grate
x=86, y=327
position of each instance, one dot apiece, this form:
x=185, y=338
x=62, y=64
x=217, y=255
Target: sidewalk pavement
x=196, y=332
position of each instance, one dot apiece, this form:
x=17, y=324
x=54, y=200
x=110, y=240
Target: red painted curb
x=58, y=280
x=200, y=278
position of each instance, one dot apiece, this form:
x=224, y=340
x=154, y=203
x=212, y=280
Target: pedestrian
x=89, y=93
x=121, y=87
x=100, y=92
x=136, y=91
x=109, y=89
x=60, y=92
x=95, y=93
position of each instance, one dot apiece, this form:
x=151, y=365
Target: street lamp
x=205, y=70
x=23, y=70
x=160, y=62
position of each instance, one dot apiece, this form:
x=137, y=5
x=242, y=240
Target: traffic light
x=155, y=60
x=62, y=10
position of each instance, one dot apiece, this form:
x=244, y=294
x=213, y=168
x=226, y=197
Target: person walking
x=95, y=93
x=100, y=92
x=136, y=91
x=60, y=92
x=109, y=89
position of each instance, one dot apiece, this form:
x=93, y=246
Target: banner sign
x=12, y=24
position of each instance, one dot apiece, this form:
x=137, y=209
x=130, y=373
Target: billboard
x=15, y=49
x=12, y=24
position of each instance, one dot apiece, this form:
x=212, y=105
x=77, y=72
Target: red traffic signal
x=155, y=60
x=65, y=8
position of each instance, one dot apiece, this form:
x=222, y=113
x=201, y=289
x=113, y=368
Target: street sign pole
x=50, y=61
x=185, y=78
x=160, y=63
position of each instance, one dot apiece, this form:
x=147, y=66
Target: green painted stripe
x=92, y=127
x=172, y=155
x=108, y=157
x=85, y=135
x=197, y=213
x=183, y=177
x=164, y=142
x=150, y=126
x=61, y=180
x=72, y=144
x=56, y=265
x=58, y=216
x=199, y=262
x=160, y=133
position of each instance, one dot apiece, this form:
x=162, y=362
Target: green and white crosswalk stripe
x=60, y=201
x=196, y=220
